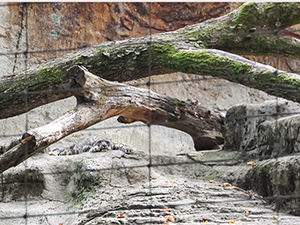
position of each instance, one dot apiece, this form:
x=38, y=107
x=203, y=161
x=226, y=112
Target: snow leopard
x=91, y=144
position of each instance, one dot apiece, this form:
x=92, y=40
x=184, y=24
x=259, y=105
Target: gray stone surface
x=279, y=138
x=268, y=132
x=98, y=189
x=250, y=127
x=279, y=177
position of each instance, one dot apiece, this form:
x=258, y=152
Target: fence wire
x=151, y=164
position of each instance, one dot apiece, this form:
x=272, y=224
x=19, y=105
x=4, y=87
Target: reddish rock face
x=71, y=25
x=65, y=26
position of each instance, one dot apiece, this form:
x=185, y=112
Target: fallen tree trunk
x=99, y=99
x=254, y=28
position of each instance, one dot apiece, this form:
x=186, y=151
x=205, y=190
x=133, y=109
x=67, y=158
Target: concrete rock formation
x=268, y=132
x=252, y=128
x=100, y=188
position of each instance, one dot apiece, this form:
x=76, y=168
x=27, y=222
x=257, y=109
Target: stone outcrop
x=252, y=128
x=268, y=132
x=96, y=188
x=277, y=180
x=14, y=185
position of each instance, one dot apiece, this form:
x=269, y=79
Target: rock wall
x=268, y=136
x=263, y=130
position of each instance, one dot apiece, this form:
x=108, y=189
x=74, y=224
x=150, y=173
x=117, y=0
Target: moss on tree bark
x=207, y=48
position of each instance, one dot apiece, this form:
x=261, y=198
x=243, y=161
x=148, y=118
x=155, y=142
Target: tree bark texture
x=254, y=28
x=99, y=99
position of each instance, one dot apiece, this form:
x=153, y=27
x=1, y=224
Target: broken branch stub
x=99, y=99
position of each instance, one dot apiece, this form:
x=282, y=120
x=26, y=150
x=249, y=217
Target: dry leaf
x=212, y=181
x=248, y=213
x=227, y=185
x=171, y=218
x=248, y=192
x=251, y=163
x=122, y=215
x=231, y=221
x=29, y=138
x=206, y=221
x=235, y=188
x=166, y=210
x=60, y=224
x=277, y=24
x=275, y=218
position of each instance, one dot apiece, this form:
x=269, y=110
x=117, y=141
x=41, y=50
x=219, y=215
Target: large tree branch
x=165, y=58
x=253, y=28
x=256, y=28
x=182, y=50
x=99, y=99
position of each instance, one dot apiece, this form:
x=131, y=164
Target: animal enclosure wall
x=165, y=180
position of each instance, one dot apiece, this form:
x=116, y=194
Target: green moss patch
x=249, y=15
x=38, y=81
x=282, y=14
x=282, y=78
x=80, y=184
x=204, y=62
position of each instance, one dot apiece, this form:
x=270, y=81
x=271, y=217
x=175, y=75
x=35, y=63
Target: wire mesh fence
x=150, y=164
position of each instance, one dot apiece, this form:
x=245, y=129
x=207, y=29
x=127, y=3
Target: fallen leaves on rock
x=171, y=218
x=122, y=215
x=225, y=185
x=251, y=163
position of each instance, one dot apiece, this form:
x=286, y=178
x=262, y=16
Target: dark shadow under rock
x=16, y=185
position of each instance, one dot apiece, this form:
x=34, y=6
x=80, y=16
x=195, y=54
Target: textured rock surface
x=268, y=131
x=276, y=177
x=15, y=185
x=98, y=186
x=251, y=128
x=279, y=138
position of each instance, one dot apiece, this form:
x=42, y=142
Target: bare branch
x=99, y=99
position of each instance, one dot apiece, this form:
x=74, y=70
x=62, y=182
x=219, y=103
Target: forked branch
x=99, y=99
